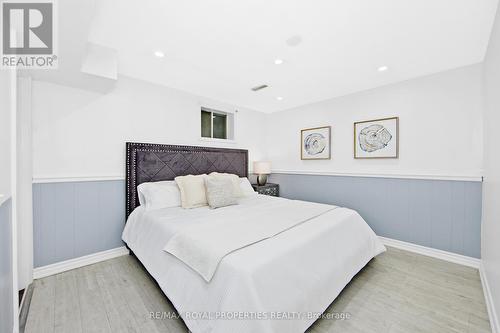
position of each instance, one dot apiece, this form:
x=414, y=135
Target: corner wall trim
x=63, y=266
x=471, y=178
x=490, y=305
x=430, y=252
x=3, y=199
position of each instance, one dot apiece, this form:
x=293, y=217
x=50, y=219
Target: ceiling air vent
x=259, y=87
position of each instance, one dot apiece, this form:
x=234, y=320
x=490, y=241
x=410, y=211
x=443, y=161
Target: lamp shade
x=262, y=167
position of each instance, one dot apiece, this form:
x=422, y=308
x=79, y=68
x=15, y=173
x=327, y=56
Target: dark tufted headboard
x=147, y=162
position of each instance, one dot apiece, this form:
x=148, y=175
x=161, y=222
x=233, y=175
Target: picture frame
x=315, y=143
x=377, y=138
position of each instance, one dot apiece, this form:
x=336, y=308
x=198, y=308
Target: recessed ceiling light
x=383, y=68
x=159, y=54
x=278, y=61
x=279, y=98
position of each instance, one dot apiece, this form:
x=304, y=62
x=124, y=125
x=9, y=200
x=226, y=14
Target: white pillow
x=158, y=195
x=220, y=192
x=246, y=188
x=192, y=190
x=235, y=180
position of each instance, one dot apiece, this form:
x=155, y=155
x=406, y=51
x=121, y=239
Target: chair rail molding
x=75, y=178
x=471, y=178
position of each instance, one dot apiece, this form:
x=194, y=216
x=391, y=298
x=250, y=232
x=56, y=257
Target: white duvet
x=278, y=284
x=204, y=244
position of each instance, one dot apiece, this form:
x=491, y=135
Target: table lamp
x=262, y=169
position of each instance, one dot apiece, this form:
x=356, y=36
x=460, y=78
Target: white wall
x=440, y=127
x=78, y=133
x=8, y=245
x=24, y=192
x=5, y=144
x=490, y=250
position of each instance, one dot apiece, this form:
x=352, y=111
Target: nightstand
x=268, y=189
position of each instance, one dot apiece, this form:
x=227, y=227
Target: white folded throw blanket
x=203, y=245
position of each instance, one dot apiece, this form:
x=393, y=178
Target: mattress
x=279, y=284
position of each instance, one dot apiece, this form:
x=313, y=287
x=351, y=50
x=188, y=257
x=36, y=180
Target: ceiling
x=222, y=48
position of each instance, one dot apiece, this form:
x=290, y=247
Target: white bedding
x=296, y=273
x=204, y=244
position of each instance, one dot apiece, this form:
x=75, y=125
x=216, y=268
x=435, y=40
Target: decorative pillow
x=158, y=195
x=235, y=180
x=220, y=192
x=246, y=188
x=192, y=190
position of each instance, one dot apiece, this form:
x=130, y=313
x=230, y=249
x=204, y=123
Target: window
x=216, y=124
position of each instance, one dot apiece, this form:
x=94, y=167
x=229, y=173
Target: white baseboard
x=457, y=259
x=430, y=252
x=490, y=305
x=63, y=266
x=67, y=265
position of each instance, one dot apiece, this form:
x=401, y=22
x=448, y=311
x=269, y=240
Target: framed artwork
x=377, y=138
x=315, y=143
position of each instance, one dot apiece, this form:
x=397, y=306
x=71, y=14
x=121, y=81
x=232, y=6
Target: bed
x=280, y=283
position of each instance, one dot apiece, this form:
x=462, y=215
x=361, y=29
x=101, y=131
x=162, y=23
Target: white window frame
x=230, y=125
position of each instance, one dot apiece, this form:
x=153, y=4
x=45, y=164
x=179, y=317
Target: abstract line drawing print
x=374, y=137
x=315, y=143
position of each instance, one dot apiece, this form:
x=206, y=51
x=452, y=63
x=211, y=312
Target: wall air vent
x=260, y=87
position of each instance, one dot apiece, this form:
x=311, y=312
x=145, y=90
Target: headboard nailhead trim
x=132, y=165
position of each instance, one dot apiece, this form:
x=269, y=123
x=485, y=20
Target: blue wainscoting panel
x=6, y=273
x=74, y=219
x=441, y=214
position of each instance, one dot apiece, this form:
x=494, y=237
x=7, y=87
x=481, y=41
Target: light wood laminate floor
x=396, y=292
